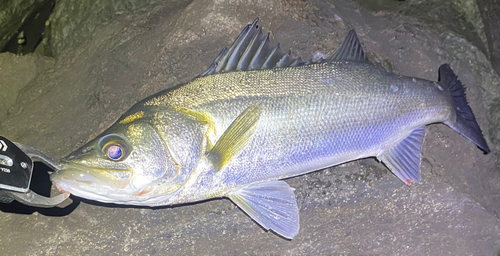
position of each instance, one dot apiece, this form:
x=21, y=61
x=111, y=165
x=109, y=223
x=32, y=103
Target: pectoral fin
x=235, y=137
x=404, y=159
x=272, y=205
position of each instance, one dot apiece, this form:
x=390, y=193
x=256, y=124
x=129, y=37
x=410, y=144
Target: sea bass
x=257, y=116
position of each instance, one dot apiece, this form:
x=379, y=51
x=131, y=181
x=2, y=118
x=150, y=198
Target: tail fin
x=465, y=122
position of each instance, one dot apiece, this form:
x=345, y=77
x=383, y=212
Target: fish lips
x=73, y=176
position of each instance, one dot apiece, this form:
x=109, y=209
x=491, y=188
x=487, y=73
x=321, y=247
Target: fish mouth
x=98, y=184
x=72, y=175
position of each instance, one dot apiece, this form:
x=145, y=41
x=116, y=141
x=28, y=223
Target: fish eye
x=114, y=147
x=113, y=151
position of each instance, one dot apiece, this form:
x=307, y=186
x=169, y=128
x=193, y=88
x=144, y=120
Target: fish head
x=125, y=165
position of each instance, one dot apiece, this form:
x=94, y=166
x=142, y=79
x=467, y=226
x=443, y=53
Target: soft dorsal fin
x=250, y=51
x=350, y=50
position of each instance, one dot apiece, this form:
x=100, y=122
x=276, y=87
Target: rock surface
x=490, y=11
x=358, y=208
x=17, y=72
x=74, y=21
x=12, y=15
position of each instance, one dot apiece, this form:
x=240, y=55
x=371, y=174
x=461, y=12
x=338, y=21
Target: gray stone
x=490, y=12
x=12, y=15
x=74, y=21
x=17, y=72
x=461, y=16
x=358, y=208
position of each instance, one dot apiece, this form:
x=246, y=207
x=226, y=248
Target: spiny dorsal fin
x=252, y=50
x=349, y=50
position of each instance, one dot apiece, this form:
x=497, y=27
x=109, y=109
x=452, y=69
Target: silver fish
x=257, y=116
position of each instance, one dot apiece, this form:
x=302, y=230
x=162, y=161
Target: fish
x=257, y=116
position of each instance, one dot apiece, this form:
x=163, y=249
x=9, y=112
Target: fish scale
x=335, y=124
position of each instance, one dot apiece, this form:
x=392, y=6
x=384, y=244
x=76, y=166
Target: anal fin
x=272, y=205
x=404, y=159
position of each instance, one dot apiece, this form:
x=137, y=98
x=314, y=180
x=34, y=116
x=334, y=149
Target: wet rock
x=461, y=17
x=73, y=21
x=17, y=72
x=29, y=36
x=490, y=12
x=12, y=15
